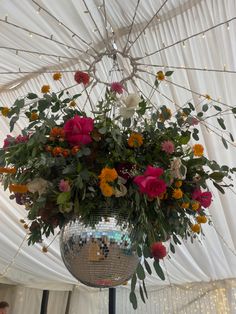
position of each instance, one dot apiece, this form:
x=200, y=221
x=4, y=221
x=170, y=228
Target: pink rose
x=77, y=130
x=204, y=198
x=150, y=183
x=154, y=172
x=64, y=186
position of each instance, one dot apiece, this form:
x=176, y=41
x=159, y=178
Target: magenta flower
x=8, y=141
x=77, y=130
x=150, y=183
x=117, y=87
x=64, y=186
x=168, y=147
x=22, y=139
x=204, y=198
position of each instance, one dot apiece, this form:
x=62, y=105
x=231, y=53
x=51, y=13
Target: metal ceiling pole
x=44, y=303
x=112, y=301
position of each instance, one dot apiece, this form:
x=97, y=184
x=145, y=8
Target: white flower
x=178, y=170
x=38, y=185
x=121, y=191
x=131, y=103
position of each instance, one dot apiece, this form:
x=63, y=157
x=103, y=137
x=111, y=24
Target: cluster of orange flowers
x=135, y=140
x=107, y=176
x=60, y=151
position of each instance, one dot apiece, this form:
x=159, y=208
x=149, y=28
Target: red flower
x=158, y=250
x=77, y=130
x=81, y=77
x=204, y=198
x=150, y=183
x=117, y=87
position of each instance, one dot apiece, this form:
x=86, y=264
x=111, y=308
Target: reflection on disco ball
x=100, y=256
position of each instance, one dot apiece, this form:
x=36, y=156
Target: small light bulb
x=203, y=35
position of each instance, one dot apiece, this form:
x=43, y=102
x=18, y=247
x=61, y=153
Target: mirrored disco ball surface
x=100, y=257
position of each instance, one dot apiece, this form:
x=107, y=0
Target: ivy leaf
x=141, y=293
x=140, y=272
x=133, y=300
x=159, y=270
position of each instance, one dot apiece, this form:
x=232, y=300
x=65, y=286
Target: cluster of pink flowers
x=204, y=198
x=10, y=140
x=150, y=182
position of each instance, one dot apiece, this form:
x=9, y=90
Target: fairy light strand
x=132, y=24
x=105, y=19
x=50, y=38
x=187, y=68
x=11, y=263
x=147, y=25
x=187, y=38
x=63, y=24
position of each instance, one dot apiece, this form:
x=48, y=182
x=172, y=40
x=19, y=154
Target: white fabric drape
x=213, y=257
x=57, y=302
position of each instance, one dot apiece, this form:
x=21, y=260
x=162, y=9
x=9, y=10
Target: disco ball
x=98, y=257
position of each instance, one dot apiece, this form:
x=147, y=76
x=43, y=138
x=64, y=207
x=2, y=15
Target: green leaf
x=32, y=96
x=234, y=110
x=172, y=248
x=140, y=272
x=159, y=270
x=139, y=251
x=147, y=266
x=176, y=240
x=169, y=73
x=12, y=122
x=146, y=252
x=141, y=293
x=219, y=187
x=200, y=114
x=205, y=107
x=224, y=142
x=231, y=137
x=126, y=123
x=145, y=290
x=156, y=83
x=217, y=108
x=191, y=106
x=221, y=123
x=102, y=130
x=133, y=282
x=133, y=300
x=217, y=176
x=63, y=197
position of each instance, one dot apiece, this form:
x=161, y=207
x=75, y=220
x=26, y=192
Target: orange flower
x=195, y=205
x=160, y=75
x=135, y=140
x=201, y=219
x=163, y=196
x=168, y=115
x=34, y=116
x=178, y=184
x=74, y=150
x=18, y=188
x=45, y=89
x=48, y=148
x=7, y=170
x=108, y=175
x=57, y=76
x=196, y=228
x=66, y=153
x=208, y=97
x=57, y=151
x=177, y=194
x=72, y=103
x=57, y=132
x=198, y=150
x=5, y=111
x=106, y=189
x=185, y=205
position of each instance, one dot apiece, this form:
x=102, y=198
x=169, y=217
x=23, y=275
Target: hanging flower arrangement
x=136, y=163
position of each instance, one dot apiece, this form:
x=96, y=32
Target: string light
x=203, y=35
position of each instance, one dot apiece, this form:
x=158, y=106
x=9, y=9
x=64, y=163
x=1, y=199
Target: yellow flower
x=44, y=249
x=168, y=115
x=198, y=150
x=45, y=89
x=106, y=189
x=5, y=111
x=108, y=175
x=26, y=226
x=201, y=219
x=196, y=228
x=135, y=140
x=178, y=184
x=57, y=76
x=208, y=97
x=72, y=103
x=34, y=116
x=160, y=75
x=177, y=193
x=195, y=205
x=185, y=205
